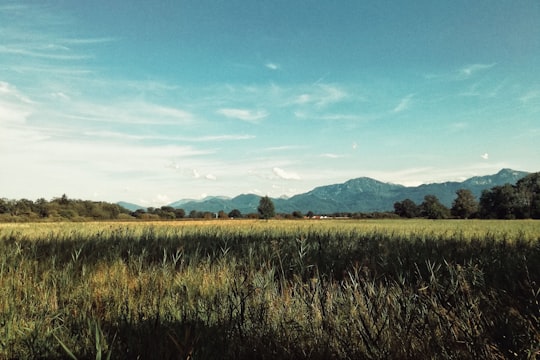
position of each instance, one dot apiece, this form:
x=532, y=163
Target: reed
x=271, y=289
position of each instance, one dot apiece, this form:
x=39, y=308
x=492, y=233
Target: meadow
x=253, y=289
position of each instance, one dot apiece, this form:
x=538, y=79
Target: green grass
x=392, y=289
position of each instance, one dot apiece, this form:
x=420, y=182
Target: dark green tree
x=42, y=207
x=179, y=213
x=266, y=208
x=63, y=200
x=528, y=197
x=498, y=203
x=138, y=213
x=406, y=208
x=5, y=206
x=166, y=212
x=432, y=208
x=465, y=205
x=235, y=213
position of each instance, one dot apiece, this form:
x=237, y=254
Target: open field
x=330, y=289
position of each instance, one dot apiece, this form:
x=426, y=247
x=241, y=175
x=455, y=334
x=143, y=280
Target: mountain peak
x=361, y=194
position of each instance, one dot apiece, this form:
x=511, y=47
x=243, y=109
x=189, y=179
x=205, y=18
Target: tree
x=139, y=213
x=235, y=213
x=528, y=196
x=498, y=203
x=433, y=209
x=63, y=200
x=179, y=213
x=266, y=208
x=5, y=206
x=465, y=205
x=406, y=208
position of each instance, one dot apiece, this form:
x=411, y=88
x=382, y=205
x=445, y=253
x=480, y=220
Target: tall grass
x=269, y=289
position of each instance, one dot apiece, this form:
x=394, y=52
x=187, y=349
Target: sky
x=156, y=101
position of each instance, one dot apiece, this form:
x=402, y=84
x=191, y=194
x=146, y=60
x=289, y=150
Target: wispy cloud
x=88, y=41
x=7, y=90
x=44, y=53
x=463, y=73
x=472, y=69
x=321, y=95
x=533, y=95
x=125, y=113
x=15, y=107
x=317, y=115
x=282, y=148
x=272, y=66
x=332, y=156
x=243, y=114
x=404, y=104
x=285, y=174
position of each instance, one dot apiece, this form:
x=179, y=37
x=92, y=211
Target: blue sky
x=155, y=101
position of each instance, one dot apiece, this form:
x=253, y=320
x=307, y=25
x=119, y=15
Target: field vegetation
x=243, y=289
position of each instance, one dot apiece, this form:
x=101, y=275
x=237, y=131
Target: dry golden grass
x=277, y=289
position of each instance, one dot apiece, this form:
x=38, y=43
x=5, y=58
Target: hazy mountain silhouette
x=356, y=195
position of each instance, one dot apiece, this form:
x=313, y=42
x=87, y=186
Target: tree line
x=519, y=201
x=61, y=208
x=66, y=209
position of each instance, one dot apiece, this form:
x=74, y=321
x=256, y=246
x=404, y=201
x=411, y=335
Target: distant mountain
x=357, y=195
x=246, y=203
x=130, y=206
x=180, y=203
x=362, y=194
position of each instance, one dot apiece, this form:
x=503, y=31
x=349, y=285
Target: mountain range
x=356, y=195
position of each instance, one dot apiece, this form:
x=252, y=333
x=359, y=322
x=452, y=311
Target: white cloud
x=13, y=113
x=285, y=175
x=272, y=66
x=125, y=113
x=530, y=96
x=303, y=99
x=403, y=104
x=157, y=201
x=197, y=175
x=9, y=91
x=331, y=156
x=331, y=94
x=60, y=96
x=320, y=95
x=470, y=70
x=243, y=114
x=38, y=53
x=169, y=138
x=485, y=156
x=91, y=41
x=220, y=138
x=14, y=106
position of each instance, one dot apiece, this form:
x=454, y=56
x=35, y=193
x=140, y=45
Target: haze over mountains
x=356, y=195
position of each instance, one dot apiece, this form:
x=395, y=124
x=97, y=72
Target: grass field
x=243, y=289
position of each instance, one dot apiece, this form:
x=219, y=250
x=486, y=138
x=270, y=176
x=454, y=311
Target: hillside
x=357, y=195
